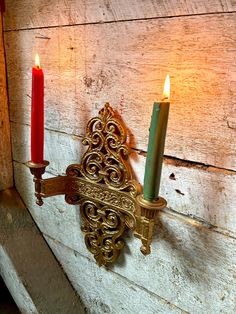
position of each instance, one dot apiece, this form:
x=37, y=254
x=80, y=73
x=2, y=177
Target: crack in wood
x=177, y=162
x=118, y=21
x=169, y=160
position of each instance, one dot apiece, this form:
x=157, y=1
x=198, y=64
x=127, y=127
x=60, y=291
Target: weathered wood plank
x=30, y=270
x=86, y=277
x=86, y=66
x=44, y=13
x=6, y=175
x=15, y=285
x=192, y=267
x=204, y=192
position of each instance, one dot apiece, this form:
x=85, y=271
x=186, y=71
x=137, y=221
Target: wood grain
x=195, y=271
x=87, y=281
x=88, y=65
x=187, y=260
x=6, y=175
x=44, y=13
x=191, y=266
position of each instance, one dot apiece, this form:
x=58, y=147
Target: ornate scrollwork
x=103, y=227
x=104, y=187
x=106, y=157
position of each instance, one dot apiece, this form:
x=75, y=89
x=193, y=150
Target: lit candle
x=37, y=113
x=156, y=143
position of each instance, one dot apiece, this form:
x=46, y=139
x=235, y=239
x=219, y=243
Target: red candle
x=37, y=113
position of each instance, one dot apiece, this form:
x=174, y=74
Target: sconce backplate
x=104, y=188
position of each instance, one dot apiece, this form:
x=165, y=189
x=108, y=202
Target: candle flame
x=37, y=61
x=166, y=91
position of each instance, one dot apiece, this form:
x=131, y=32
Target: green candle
x=156, y=143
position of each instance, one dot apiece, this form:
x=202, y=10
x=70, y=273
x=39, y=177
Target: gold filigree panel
x=104, y=188
x=103, y=228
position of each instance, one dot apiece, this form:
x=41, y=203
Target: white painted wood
x=190, y=266
x=6, y=174
x=88, y=65
x=44, y=13
x=204, y=192
x=104, y=291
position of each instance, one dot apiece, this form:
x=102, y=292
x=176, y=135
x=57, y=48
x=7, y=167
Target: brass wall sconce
x=110, y=200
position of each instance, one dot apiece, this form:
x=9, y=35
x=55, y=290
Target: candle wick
x=165, y=98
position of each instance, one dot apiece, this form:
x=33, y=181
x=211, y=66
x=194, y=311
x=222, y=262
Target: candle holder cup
x=149, y=211
x=110, y=199
x=37, y=170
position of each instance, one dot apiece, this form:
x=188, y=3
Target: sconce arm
x=60, y=185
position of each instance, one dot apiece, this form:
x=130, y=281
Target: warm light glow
x=166, y=91
x=37, y=61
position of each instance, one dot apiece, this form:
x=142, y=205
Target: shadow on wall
x=7, y=304
x=192, y=248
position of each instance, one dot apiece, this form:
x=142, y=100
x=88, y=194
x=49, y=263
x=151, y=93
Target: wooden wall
x=120, y=51
x=6, y=174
